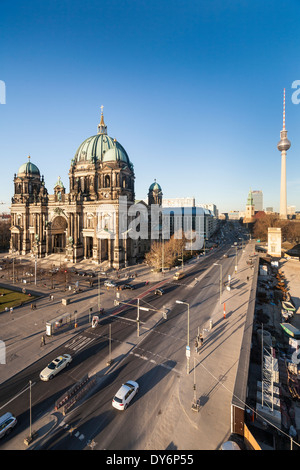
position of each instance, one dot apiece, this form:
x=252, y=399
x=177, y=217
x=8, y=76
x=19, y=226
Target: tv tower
x=283, y=145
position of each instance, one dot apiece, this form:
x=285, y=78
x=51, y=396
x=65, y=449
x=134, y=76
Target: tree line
x=169, y=253
x=4, y=235
x=290, y=229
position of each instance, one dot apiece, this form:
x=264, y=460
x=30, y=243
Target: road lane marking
x=27, y=388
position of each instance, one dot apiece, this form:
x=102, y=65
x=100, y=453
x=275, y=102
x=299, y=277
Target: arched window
x=107, y=181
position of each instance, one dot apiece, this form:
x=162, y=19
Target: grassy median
x=10, y=298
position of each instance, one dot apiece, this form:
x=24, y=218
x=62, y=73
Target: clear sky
x=192, y=89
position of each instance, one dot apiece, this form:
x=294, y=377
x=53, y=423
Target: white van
x=7, y=423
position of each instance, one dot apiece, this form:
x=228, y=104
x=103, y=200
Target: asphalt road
x=155, y=364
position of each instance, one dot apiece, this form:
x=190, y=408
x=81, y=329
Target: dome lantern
x=102, y=128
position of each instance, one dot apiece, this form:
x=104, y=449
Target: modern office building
x=258, y=202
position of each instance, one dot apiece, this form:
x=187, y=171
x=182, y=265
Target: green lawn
x=12, y=298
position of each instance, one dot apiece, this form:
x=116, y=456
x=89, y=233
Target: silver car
x=7, y=423
x=55, y=367
x=110, y=284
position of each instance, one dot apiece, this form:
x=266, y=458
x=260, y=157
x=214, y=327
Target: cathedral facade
x=85, y=222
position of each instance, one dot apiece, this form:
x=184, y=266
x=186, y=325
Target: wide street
x=156, y=360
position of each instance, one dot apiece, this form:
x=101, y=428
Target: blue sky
x=193, y=91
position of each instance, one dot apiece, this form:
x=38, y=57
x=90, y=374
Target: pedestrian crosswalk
x=79, y=342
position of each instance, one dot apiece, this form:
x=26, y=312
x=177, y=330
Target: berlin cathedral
x=78, y=223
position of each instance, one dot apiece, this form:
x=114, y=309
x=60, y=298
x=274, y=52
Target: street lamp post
x=188, y=350
x=99, y=293
x=217, y=264
x=124, y=234
x=236, y=258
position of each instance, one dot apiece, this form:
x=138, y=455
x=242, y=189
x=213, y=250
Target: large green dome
x=101, y=147
x=28, y=169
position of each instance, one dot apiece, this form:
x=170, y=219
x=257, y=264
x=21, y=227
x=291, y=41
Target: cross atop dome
x=102, y=128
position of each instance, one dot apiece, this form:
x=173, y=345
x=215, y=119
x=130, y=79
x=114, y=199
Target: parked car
x=125, y=394
x=159, y=292
x=7, y=423
x=128, y=286
x=110, y=283
x=55, y=367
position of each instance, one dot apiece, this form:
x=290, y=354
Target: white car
x=125, y=394
x=110, y=284
x=55, y=367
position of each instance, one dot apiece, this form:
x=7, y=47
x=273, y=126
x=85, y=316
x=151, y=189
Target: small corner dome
x=155, y=187
x=28, y=169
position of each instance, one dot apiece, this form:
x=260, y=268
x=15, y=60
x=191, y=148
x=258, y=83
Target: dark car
x=260, y=249
x=128, y=286
x=159, y=292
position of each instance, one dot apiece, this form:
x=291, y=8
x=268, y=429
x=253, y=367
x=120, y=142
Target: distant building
x=5, y=217
x=179, y=202
x=258, y=200
x=234, y=215
x=211, y=207
x=259, y=215
x=177, y=211
x=291, y=210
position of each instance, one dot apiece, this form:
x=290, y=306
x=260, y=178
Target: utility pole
x=164, y=312
x=30, y=416
x=109, y=346
x=221, y=276
x=188, y=349
x=99, y=292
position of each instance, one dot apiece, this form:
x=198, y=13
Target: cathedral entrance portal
x=58, y=234
x=88, y=247
x=58, y=243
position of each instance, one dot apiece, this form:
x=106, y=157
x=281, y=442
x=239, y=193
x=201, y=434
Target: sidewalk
x=213, y=369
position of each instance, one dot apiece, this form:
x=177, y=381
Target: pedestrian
x=43, y=341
